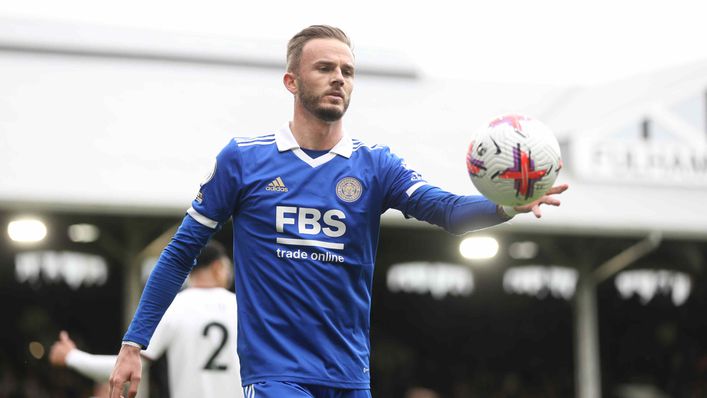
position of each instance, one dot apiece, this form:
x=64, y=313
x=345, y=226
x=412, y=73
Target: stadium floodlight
x=523, y=250
x=26, y=230
x=83, y=233
x=478, y=247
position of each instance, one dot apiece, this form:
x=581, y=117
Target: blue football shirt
x=305, y=233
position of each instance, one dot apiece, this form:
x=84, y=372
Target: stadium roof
x=97, y=119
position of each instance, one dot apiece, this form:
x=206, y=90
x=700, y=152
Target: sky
x=561, y=42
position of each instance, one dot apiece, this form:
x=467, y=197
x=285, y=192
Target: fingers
x=551, y=201
x=132, y=391
x=116, y=387
x=536, y=211
x=547, y=199
x=557, y=189
x=65, y=340
x=128, y=369
x=59, y=350
x=55, y=356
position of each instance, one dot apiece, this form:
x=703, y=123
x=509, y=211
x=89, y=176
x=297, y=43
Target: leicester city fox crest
x=349, y=189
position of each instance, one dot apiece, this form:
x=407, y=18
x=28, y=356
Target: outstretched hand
x=548, y=199
x=60, y=349
x=128, y=369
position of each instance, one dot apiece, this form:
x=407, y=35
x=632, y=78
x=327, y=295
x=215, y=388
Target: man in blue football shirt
x=306, y=204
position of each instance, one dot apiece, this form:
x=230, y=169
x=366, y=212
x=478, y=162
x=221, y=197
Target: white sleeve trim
x=205, y=221
x=96, y=367
x=132, y=344
x=414, y=187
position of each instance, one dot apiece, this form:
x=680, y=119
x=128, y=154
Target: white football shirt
x=198, y=333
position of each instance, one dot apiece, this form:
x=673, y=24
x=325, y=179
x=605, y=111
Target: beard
x=312, y=103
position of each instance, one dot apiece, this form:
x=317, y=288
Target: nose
x=337, y=77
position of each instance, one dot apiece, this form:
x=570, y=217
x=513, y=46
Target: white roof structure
x=109, y=120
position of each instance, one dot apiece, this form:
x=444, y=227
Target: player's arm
x=455, y=213
x=460, y=214
x=213, y=206
x=64, y=353
x=162, y=286
x=100, y=367
x=408, y=192
x=166, y=279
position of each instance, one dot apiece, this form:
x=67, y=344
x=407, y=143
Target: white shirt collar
x=286, y=141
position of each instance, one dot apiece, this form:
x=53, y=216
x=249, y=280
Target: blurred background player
x=198, y=333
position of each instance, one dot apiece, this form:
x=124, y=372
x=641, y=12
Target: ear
x=290, y=82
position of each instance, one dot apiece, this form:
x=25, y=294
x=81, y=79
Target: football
x=513, y=160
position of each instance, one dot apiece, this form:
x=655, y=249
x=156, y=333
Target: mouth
x=335, y=94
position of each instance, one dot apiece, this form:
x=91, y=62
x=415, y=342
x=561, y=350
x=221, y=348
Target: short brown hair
x=297, y=42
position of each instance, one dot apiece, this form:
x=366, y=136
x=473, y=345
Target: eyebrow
x=329, y=63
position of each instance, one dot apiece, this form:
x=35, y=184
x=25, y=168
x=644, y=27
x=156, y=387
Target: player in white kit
x=198, y=334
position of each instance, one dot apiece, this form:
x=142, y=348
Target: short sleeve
x=218, y=195
x=400, y=181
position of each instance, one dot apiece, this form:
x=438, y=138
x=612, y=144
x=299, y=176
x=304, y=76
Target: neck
x=314, y=133
x=201, y=281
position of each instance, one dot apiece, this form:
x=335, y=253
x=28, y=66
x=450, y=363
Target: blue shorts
x=286, y=389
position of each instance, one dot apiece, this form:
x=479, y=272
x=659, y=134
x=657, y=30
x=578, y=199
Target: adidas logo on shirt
x=277, y=185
